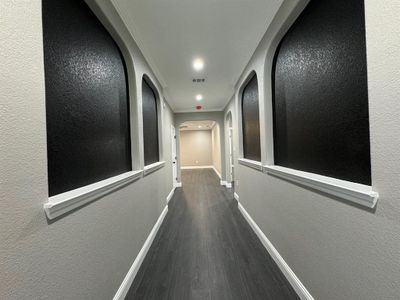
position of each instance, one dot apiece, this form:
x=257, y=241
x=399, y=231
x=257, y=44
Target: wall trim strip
x=196, y=167
x=216, y=172
x=153, y=167
x=251, y=163
x=60, y=204
x=130, y=276
x=354, y=192
x=171, y=193
x=236, y=196
x=283, y=266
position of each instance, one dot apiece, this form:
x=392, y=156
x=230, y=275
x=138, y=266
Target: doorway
x=200, y=146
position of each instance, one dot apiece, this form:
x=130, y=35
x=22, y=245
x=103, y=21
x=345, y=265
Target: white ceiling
x=197, y=125
x=171, y=33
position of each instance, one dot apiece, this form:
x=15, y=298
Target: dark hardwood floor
x=206, y=250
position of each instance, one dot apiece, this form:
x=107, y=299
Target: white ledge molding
x=354, y=192
x=251, y=163
x=153, y=167
x=65, y=202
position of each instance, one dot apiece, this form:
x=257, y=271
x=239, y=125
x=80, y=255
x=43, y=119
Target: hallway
x=206, y=250
x=185, y=150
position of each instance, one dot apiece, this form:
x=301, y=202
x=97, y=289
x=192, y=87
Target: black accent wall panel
x=150, y=124
x=251, y=121
x=321, y=120
x=88, y=135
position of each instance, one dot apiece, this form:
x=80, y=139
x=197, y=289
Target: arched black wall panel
x=321, y=120
x=88, y=136
x=251, y=121
x=150, y=124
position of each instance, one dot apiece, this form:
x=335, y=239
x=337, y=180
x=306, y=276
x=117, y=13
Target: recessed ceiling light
x=199, y=97
x=198, y=64
x=199, y=126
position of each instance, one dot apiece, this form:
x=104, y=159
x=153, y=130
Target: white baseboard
x=283, y=266
x=130, y=276
x=196, y=167
x=216, y=172
x=178, y=184
x=171, y=193
x=236, y=196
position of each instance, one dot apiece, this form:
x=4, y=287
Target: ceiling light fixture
x=199, y=126
x=199, y=97
x=198, y=64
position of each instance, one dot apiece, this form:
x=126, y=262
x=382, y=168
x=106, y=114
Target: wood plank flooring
x=206, y=250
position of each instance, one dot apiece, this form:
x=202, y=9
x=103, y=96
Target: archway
x=200, y=146
x=218, y=118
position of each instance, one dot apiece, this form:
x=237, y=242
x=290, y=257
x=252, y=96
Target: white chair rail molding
x=354, y=192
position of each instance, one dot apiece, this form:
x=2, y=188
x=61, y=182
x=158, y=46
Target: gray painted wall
x=217, y=116
x=87, y=253
x=338, y=250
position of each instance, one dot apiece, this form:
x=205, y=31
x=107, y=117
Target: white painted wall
x=339, y=251
x=216, y=147
x=87, y=253
x=195, y=148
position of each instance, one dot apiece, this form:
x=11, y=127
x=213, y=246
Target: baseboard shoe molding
x=196, y=167
x=130, y=276
x=216, y=172
x=178, y=184
x=236, y=196
x=171, y=193
x=283, y=266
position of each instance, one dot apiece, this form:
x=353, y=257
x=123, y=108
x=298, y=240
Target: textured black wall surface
x=88, y=136
x=150, y=124
x=251, y=121
x=321, y=120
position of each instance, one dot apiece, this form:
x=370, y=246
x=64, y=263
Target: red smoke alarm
x=198, y=107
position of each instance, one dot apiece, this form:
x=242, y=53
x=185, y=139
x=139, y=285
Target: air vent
x=198, y=80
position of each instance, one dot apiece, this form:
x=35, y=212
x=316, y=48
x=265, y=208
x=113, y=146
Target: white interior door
x=174, y=157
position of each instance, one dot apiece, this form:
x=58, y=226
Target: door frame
x=230, y=158
x=174, y=158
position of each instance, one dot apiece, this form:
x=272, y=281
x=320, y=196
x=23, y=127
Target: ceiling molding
x=168, y=98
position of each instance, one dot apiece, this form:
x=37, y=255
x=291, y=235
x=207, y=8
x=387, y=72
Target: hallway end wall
x=336, y=249
x=195, y=148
